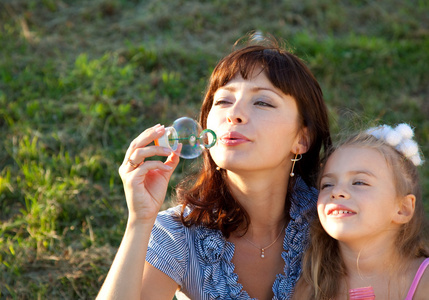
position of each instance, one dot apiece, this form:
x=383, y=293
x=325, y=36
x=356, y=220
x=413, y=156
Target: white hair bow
x=400, y=138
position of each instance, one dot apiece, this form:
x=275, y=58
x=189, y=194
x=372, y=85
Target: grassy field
x=80, y=79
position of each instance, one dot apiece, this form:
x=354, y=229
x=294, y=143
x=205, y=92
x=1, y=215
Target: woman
x=254, y=190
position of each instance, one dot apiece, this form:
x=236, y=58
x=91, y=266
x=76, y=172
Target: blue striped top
x=198, y=259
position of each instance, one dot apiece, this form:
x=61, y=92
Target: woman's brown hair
x=211, y=203
x=323, y=268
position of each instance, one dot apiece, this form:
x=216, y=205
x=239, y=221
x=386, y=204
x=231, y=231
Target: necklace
x=266, y=247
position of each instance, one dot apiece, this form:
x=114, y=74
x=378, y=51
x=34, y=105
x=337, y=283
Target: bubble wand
x=190, y=134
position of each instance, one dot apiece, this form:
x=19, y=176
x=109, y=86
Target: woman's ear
x=302, y=142
x=406, y=209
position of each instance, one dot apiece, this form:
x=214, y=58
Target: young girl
x=369, y=231
x=240, y=229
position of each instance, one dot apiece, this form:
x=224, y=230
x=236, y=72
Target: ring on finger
x=132, y=164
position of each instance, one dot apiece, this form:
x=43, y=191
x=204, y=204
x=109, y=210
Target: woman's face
x=257, y=125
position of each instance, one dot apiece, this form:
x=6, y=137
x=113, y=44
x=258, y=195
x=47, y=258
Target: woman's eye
x=263, y=103
x=221, y=102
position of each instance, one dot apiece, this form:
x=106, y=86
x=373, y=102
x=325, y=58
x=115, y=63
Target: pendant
x=262, y=253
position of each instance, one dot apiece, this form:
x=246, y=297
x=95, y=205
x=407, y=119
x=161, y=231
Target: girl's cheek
x=320, y=208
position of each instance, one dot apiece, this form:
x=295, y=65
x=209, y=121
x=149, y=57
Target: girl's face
x=257, y=125
x=358, y=199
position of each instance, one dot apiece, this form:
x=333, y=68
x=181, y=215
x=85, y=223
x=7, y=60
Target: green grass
x=80, y=79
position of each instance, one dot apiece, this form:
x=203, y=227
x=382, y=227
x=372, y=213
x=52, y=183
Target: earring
x=218, y=168
x=294, y=161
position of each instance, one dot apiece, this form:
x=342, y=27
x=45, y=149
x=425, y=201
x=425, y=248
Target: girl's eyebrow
x=354, y=172
x=365, y=172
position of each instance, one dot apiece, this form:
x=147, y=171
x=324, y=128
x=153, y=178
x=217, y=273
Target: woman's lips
x=233, y=138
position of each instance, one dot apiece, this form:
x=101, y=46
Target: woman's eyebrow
x=254, y=89
x=257, y=89
x=227, y=88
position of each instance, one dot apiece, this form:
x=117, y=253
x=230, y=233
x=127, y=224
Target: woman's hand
x=146, y=182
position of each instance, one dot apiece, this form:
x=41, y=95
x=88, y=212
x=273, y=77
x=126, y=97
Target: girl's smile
x=334, y=210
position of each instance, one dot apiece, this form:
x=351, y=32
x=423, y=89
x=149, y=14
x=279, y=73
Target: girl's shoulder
x=420, y=287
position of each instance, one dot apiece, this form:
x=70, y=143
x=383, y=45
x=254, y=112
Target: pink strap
x=417, y=278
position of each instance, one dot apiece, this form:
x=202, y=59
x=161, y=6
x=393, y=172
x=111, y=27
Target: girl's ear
x=406, y=209
x=302, y=142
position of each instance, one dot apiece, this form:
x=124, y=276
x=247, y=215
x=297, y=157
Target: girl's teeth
x=340, y=212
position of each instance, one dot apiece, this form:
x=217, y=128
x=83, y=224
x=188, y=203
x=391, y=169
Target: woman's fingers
x=147, y=167
x=144, y=139
x=138, y=151
x=174, y=157
x=139, y=155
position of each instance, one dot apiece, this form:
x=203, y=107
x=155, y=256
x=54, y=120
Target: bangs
x=272, y=62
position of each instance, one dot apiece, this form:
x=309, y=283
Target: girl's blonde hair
x=323, y=268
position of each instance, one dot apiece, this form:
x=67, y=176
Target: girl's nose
x=339, y=192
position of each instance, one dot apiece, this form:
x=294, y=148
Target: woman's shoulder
x=208, y=255
x=170, y=215
x=168, y=223
x=168, y=248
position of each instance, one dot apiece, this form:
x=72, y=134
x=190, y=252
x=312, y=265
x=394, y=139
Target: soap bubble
x=190, y=134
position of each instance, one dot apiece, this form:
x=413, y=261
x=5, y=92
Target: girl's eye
x=359, y=182
x=325, y=185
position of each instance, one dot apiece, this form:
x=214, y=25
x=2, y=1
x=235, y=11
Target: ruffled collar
x=215, y=252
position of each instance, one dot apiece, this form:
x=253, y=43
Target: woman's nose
x=234, y=120
x=236, y=115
